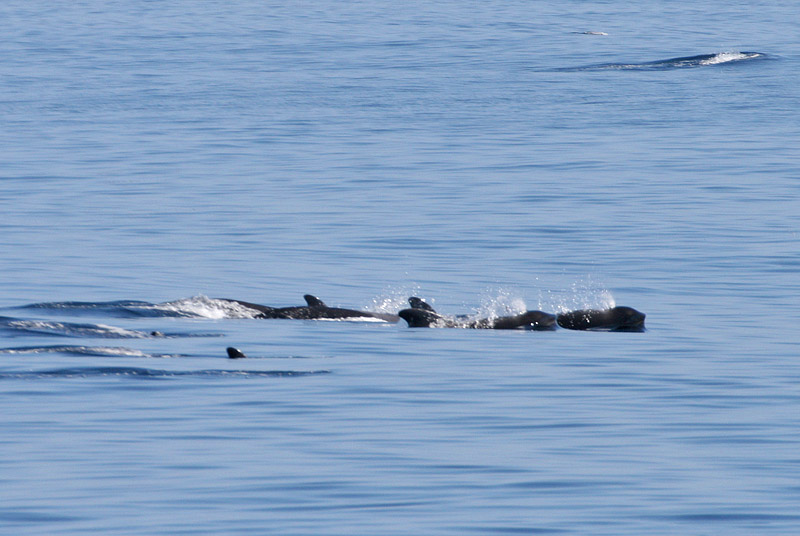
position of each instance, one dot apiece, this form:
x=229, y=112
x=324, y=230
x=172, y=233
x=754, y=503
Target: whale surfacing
x=614, y=319
x=422, y=315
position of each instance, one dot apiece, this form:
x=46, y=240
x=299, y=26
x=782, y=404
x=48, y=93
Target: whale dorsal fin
x=235, y=353
x=313, y=301
x=419, y=303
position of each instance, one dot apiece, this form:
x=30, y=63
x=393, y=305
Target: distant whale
x=614, y=319
x=314, y=310
x=683, y=62
x=422, y=315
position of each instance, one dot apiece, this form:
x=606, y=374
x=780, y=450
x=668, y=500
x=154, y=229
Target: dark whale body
x=614, y=319
x=422, y=315
x=234, y=353
x=314, y=310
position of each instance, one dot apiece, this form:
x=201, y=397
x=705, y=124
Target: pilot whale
x=422, y=315
x=614, y=319
x=315, y=309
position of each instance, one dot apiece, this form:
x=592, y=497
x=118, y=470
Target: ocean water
x=491, y=158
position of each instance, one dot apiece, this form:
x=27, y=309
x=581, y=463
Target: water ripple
x=139, y=372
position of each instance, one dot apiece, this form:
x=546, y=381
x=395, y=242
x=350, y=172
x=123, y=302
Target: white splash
x=725, y=57
x=582, y=294
x=394, y=299
x=501, y=302
x=204, y=307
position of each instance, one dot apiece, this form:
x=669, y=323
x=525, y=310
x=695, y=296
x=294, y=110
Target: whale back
x=421, y=318
x=614, y=319
x=530, y=320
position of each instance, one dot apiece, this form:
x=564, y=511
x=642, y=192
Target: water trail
x=117, y=308
x=194, y=307
x=99, y=351
x=71, y=329
x=146, y=373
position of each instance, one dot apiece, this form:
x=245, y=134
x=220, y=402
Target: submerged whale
x=683, y=62
x=422, y=315
x=614, y=319
x=315, y=309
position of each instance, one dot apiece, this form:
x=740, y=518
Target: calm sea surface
x=490, y=158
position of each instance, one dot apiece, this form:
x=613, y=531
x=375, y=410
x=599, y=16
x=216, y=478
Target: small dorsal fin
x=313, y=301
x=419, y=303
x=235, y=353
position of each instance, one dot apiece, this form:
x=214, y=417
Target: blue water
x=488, y=157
